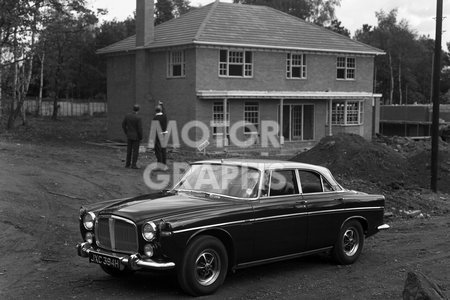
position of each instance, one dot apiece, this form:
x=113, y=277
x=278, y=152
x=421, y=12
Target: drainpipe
x=225, y=119
x=330, y=109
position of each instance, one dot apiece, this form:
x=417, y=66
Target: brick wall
x=269, y=74
x=179, y=94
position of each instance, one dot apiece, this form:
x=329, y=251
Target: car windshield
x=226, y=180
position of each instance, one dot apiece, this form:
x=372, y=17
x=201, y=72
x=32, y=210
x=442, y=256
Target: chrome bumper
x=133, y=261
x=383, y=227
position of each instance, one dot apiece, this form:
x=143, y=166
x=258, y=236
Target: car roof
x=266, y=164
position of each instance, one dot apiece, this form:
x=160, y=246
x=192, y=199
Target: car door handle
x=300, y=204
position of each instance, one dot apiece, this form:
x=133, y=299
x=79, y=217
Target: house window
x=218, y=122
x=176, y=64
x=235, y=63
x=346, y=67
x=296, y=66
x=347, y=113
x=251, y=116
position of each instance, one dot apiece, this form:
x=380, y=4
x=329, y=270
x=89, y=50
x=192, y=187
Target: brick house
x=223, y=64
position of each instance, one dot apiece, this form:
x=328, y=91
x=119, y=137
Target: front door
x=298, y=122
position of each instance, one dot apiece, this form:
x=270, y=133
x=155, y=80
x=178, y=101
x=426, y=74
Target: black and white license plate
x=105, y=260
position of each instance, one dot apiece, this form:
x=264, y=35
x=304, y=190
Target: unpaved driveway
x=43, y=185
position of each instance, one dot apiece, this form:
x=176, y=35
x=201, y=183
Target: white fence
x=67, y=108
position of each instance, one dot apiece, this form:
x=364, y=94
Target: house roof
x=227, y=24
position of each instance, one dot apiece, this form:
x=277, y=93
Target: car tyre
x=116, y=273
x=349, y=244
x=204, y=266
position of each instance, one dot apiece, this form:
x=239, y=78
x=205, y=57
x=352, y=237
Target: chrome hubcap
x=207, y=267
x=350, y=241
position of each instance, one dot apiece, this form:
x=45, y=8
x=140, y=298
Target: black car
x=225, y=215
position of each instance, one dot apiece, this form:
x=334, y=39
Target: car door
x=325, y=208
x=279, y=226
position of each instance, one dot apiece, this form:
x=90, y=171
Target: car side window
x=310, y=181
x=283, y=182
x=327, y=187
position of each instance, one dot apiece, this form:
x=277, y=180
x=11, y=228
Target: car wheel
x=204, y=266
x=116, y=273
x=349, y=244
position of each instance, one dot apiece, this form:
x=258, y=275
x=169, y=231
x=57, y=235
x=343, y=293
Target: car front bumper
x=132, y=262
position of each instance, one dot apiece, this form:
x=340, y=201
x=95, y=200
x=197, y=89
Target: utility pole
x=435, y=97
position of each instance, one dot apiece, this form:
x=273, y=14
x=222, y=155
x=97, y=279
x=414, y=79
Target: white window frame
x=348, y=66
x=251, y=115
x=343, y=115
x=218, y=118
x=242, y=58
x=295, y=60
x=176, y=58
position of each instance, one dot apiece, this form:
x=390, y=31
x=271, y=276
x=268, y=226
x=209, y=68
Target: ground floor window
x=298, y=122
x=251, y=116
x=220, y=122
x=348, y=112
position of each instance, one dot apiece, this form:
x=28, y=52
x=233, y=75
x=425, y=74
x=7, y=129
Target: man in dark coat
x=160, y=149
x=132, y=126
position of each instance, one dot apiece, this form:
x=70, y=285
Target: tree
x=404, y=74
x=166, y=10
x=18, y=30
x=68, y=31
x=338, y=28
x=398, y=40
x=320, y=12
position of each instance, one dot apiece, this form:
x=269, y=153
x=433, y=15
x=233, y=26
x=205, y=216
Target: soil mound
x=351, y=156
x=398, y=168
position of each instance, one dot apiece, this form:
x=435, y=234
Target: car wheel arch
x=222, y=236
x=363, y=221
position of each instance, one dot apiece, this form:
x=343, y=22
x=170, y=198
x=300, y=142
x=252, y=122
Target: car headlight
x=88, y=220
x=149, y=231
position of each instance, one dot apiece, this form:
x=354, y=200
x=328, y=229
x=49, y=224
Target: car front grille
x=116, y=234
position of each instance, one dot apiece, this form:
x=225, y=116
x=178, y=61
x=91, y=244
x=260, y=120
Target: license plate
x=105, y=260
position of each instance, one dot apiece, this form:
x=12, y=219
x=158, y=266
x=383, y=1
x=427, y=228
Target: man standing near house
x=160, y=145
x=132, y=126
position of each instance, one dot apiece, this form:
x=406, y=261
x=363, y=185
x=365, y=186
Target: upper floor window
x=296, y=65
x=346, y=67
x=235, y=63
x=176, y=64
x=347, y=113
x=251, y=117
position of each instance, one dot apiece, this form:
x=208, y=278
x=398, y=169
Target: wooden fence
x=67, y=108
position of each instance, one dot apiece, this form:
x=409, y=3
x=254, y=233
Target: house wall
x=177, y=94
x=269, y=74
x=182, y=105
x=120, y=92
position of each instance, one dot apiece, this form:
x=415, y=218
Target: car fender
x=223, y=235
x=361, y=219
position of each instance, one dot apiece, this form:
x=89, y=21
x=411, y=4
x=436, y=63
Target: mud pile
x=351, y=156
x=398, y=168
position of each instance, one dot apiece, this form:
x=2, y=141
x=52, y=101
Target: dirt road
x=42, y=186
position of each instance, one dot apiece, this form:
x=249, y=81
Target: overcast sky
x=352, y=13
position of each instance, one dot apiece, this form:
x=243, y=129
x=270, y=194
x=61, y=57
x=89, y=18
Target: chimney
x=145, y=28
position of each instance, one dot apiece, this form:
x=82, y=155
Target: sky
x=352, y=13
